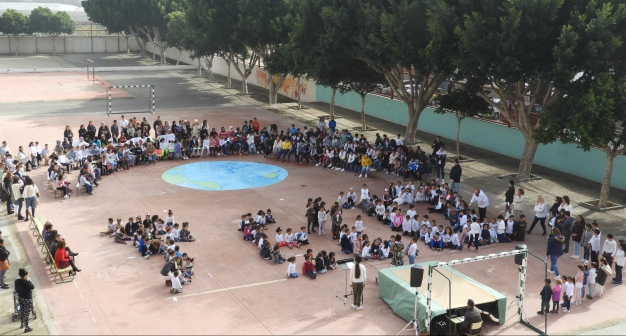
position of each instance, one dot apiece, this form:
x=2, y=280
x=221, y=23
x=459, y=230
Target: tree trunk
x=299, y=97
x=54, y=47
x=17, y=46
x=273, y=92
x=411, y=127
x=528, y=155
x=332, y=101
x=180, y=54
x=200, y=67
x=209, y=64
x=274, y=86
x=363, y=95
x=458, y=136
x=162, y=49
x=229, y=80
x=244, y=84
x=606, y=180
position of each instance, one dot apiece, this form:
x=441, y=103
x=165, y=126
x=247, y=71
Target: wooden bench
x=40, y=222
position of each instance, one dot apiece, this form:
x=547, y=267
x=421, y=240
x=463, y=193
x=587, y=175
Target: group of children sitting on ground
x=145, y=236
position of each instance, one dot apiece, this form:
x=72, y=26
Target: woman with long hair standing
x=358, y=276
x=555, y=250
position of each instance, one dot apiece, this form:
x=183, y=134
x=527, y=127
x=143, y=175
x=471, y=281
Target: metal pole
x=429, y=298
x=449, y=291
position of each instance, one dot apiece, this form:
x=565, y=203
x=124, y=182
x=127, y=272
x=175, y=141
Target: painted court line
x=230, y=288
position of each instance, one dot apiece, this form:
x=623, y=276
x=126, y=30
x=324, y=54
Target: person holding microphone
x=358, y=276
x=24, y=288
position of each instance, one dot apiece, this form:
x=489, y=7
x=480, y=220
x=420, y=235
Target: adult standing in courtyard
x=455, y=177
x=555, y=250
x=4, y=264
x=24, y=288
x=436, y=145
x=541, y=212
x=358, y=276
x=482, y=201
x=508, y=198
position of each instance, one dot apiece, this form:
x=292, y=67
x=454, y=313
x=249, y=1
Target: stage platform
x=394, y=289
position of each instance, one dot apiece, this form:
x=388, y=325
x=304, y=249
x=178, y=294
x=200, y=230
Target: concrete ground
x=237, y=290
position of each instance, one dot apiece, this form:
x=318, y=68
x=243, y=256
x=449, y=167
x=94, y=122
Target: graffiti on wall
x=289, y=87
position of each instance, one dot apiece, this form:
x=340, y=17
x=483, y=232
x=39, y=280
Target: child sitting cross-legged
x=277, y=256
x=247, y=232
x=185, y=234
x=308, y=268
x=291, y=267
x=290, y=239
x=188, y=265
x=266, y=251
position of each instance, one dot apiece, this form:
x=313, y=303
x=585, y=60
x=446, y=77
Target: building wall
x=66, y=44
x=259, y=76
x=561, y=157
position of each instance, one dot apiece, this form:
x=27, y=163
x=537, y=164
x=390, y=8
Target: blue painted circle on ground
x=224, y=175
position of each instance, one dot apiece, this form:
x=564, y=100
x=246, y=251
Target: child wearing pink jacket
x=556, y=296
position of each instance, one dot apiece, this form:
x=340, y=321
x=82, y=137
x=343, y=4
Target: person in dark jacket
x=471, y=316
x=346, y=246
x=555, y=250
x=24, y=288
x=546, y=296
x=519, y=229
x=455, y=177
x=508, y=196
x=568, y=226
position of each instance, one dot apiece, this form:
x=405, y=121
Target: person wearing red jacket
x=62, y=259
x=308, y=268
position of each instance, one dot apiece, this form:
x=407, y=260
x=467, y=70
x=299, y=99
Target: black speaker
x=417, y=274
x=519, y=257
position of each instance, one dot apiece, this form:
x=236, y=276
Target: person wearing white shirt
x=541, y=212
x=365, y=197
x=351, y=197
x=510, y=225
x=365, y=253
x=4, y=149
x=123, y=123
x=358, y=277
x=83, y=182
x=473, y=234
x=412, y=251
x=483, y=202
x=291, y=267
x=65, y=162
x=619, y=261
x=456, y=242
x=595, y=246
x=609, y=249
x=30, y=195
x=177, y=287
x=399, y=141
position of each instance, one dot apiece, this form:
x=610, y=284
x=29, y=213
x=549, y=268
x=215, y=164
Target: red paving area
x=24, y=87
x=118, y=292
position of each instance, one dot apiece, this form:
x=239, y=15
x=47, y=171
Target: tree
x=261, y=27
x=320, y=60
x=118, y=16
x=591, y=115
x=216, y=21
x=146, y=20
x=362, y=79
x=42, y=20
x=15, y=24
x=403, y=39
x=527, y=52
x=178, y=34
x=463, y=104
